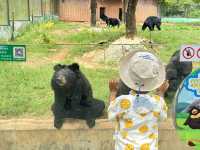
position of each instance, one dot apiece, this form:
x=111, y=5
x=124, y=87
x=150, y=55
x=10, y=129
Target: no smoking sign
x=190, y=53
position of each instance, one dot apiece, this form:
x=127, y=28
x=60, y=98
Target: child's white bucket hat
x=142, y=71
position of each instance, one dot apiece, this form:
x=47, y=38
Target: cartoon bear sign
x=188, y=107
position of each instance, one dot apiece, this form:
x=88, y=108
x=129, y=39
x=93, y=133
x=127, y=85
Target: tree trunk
x=93, y=5
x=124, y=9
x=131, y=19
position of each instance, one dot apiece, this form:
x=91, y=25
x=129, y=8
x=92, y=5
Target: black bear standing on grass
x=110, y=21
x=151, y=22
x=73, y=96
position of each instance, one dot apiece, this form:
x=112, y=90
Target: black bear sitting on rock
x=73, y=96
x=151, y=22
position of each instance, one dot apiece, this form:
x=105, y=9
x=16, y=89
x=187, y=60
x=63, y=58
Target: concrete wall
x=23, y=134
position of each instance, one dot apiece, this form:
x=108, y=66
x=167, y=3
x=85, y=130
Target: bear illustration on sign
x=73, y=97
x=193, y=120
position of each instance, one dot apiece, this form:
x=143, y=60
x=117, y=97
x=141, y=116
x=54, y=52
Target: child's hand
x=163, y=88
x=113, y=85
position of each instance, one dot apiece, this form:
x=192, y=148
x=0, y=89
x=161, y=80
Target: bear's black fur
x=176, y=71
x=73, y=96
x=110, y=21
x=151, y=22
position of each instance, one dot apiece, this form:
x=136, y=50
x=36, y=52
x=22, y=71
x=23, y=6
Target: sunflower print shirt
x=137, y=121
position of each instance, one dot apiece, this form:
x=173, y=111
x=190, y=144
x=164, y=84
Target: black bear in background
x=151, y=22
x=176, y=72
x=110, y=21
x=73, y=96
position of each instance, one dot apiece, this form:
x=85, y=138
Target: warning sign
x=190, y=53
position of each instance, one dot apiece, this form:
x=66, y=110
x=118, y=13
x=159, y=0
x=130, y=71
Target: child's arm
x=113, y=86
x=114, y=109
x=162, y=89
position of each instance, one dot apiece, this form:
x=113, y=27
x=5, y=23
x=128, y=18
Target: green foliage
x=196, y=1
x=172, y=37
x=195, y=13
x=181, y=8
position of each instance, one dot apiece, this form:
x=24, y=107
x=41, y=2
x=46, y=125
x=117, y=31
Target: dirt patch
x=89, y=60
x=99, y=58
x=61, y=32
x=59, y=56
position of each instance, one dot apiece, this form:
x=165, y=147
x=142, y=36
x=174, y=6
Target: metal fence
x=4, y=13
x=24, y=10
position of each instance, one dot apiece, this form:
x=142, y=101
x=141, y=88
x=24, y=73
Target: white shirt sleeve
x=118, y=107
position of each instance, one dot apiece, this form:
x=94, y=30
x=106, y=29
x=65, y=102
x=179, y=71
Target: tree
x=124, y=6
x=131, y=19
x=93, y=6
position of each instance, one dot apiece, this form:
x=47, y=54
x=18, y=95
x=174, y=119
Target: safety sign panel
x=190, y=53
x=12, y=53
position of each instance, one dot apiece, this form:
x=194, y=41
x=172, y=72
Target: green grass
x=26, y=91
x=88, y=36
x=171, y=37
x=187, y=133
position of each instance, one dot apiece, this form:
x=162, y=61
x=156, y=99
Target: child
x=138, y=113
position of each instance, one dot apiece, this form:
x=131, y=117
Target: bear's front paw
x=58, y=123
x=90, y=123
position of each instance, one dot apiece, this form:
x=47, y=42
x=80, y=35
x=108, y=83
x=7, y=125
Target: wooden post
x=124, y=9
x=29, y=13
x=93, y=6
x=32, y=17
x=131, y=19
x=8, y=12
x=13, y=27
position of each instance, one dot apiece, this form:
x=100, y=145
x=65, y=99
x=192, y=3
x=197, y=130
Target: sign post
x=12, y=53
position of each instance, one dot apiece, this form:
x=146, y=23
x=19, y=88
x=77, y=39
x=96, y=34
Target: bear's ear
x=74, y=67
x=58, y=67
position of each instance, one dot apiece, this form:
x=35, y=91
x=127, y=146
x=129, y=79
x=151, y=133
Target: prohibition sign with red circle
x=198, y=53
x=188, y=53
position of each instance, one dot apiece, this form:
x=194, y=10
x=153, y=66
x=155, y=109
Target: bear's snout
x=61, y=81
